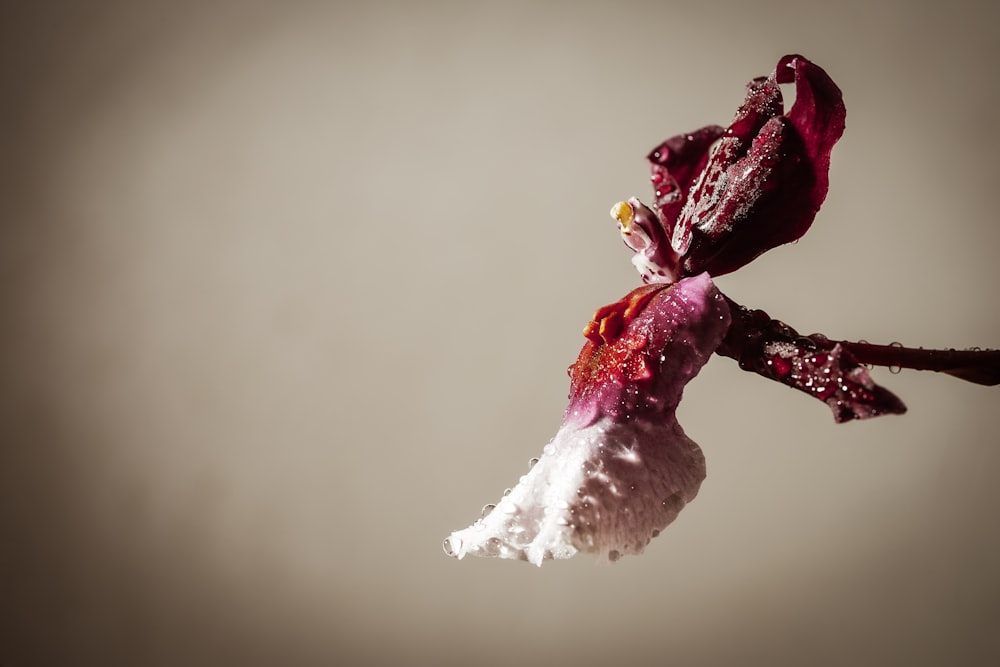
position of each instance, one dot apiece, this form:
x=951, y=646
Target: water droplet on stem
x=895, y=369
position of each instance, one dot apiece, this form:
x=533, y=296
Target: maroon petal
x=814, y=364
x=817, y=115
x=674, y=165
x=768, y=175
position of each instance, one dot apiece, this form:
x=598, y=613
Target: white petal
x=606, y=489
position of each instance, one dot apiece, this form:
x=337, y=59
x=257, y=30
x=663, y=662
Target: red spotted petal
x=816, y=365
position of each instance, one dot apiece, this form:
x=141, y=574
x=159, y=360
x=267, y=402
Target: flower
x=621, y=468
x=724, y=196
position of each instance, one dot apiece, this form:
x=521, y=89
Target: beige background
x=289, y=292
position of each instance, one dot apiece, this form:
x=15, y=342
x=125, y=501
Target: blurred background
x=289, y=291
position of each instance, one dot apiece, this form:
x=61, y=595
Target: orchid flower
x=620, y=468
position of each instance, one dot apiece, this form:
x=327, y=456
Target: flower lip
x=620, y=467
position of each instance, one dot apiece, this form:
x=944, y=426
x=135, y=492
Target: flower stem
x=752, y=330
x=975, y=365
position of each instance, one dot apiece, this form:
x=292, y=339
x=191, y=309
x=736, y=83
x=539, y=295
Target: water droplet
x=493, y=545
x=895, y=369
x=506, y=492
x=487, y=508
x=673, y=503
x=532, y=461
x=452, y=545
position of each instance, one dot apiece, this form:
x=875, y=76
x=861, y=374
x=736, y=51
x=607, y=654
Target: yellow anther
x=623, y=213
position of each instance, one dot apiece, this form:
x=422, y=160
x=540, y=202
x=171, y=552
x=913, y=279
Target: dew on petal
x=452, y=546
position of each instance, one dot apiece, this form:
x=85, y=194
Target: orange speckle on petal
x=613, y=352
x=609, y=321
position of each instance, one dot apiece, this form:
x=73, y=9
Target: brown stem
x=979, y=366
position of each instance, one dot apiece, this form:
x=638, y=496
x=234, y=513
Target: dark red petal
x=818, y=115
x=763, y=102
x=674, y=165
x=768, y=175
